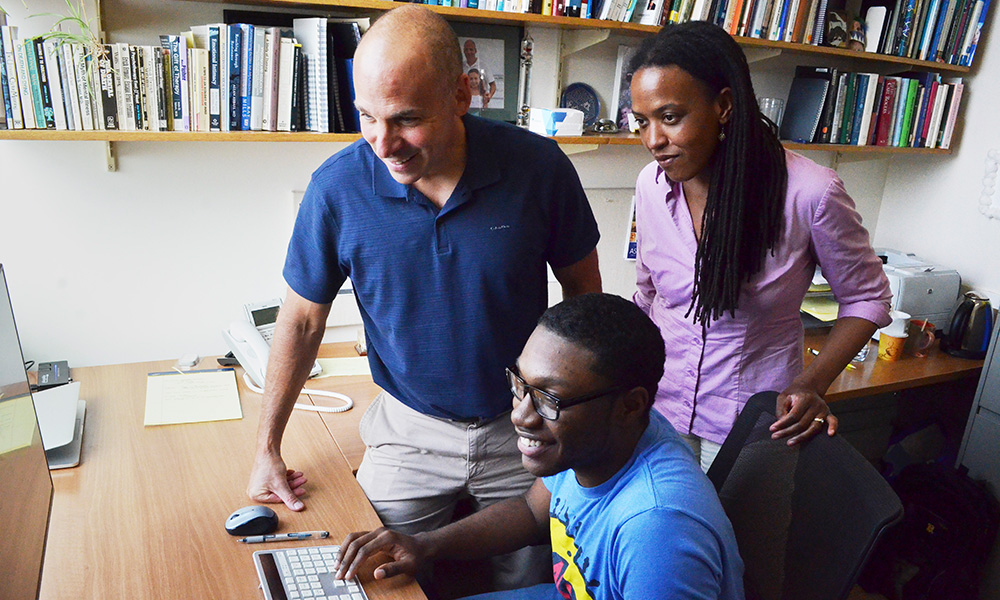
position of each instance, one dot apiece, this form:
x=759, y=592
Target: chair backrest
x=807, y=516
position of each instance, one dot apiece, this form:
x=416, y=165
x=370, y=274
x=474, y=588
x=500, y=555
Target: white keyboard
x=304, y=573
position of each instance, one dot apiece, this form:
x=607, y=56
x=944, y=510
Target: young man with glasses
x=627, y=510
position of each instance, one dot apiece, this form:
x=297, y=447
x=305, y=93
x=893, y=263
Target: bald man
x=444, y=223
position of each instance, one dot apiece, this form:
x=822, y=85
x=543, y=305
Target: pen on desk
x=815, y=352
x=284, y=537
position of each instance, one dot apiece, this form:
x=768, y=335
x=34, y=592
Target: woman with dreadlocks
x=730, y=229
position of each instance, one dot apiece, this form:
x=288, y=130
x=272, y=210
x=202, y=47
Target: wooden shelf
x=617, y=139
x=574, y=23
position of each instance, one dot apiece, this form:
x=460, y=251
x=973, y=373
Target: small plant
x=75, y=18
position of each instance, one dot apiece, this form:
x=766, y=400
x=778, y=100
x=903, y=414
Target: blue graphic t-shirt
x=654, y=530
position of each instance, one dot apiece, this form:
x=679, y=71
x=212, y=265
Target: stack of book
x=945, y=31
x=215, y=77
x=910, y=109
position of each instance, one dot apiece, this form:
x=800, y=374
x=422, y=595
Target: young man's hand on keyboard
x=408, y=553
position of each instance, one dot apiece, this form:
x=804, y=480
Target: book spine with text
x=214, y=74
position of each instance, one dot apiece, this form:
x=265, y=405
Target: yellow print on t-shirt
x=569, y=579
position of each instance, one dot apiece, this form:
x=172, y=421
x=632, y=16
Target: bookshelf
x=569, y=25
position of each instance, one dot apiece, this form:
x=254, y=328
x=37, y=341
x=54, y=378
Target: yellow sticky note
x=352, y=365
x=17, y=423
x=192, y=397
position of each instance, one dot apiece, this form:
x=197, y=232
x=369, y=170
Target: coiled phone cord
x=312, y=392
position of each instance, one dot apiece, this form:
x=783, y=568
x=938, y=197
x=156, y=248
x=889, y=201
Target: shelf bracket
x=575, y=40
x=111, y=157
x=760, y=54
x=569, y=149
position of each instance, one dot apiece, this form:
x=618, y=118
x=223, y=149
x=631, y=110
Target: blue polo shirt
x=449, y=297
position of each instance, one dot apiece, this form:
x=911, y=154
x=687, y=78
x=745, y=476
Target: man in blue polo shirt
x=444, y=223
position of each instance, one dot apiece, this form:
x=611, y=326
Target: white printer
x=923, y=290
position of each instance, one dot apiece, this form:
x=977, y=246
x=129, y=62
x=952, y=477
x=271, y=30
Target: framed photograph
x=491, y=54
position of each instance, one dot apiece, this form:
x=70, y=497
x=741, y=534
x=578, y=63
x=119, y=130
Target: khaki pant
x=417, y=467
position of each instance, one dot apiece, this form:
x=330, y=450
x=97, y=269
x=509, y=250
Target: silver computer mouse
x=252, y=520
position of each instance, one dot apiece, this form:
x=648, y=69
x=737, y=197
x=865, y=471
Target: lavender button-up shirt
x=761, y=347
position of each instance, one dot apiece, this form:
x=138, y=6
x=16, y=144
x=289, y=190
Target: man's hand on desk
x=407, y=553
x=272, y=482
x=802, y=413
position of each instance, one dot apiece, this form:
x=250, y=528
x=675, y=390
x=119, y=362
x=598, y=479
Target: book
x=234, y=58
x=905, y=26
x=651, y=12
x=912, y=92
x=945, y=31
x=866, y=100
x=164, y=102
x=312, y=35
x=805, y=104
x=108, y=88
x=38, y=74
x=959, y=18
x=838, y=110
x=172, y=46
x=6, y=114
x=298, y=90
x=71, y=94
x=886, y=111
x=819, y=31
x=875, y=20
x=255, y=80
x=214, y=78
x=345, y=35
x=902, y=98
x=927, y=28
x=53, y=78
x=137, y=104
x=970, y=30
x=286, y=81
x=8, y=42
x=847, y=118
x=272, y=49
x=953, y=105
x=123, y=83
x=927, y=111
x=876, y=109
x=829, y=106
x=970, y=54
x=247, y=46
x=940, y=101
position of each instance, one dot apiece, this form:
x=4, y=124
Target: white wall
x=931, y=205
x=150, y=262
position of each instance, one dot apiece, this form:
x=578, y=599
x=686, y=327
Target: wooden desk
x=871, y=377
x=344, y=426
x=874, y=376
x=142, y=516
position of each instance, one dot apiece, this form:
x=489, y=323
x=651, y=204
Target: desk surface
x=871, y=377
x=142, y=516
x=875, y=376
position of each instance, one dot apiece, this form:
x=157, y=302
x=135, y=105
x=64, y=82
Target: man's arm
x=297, y=335
x=581, y=277
x=498, y=529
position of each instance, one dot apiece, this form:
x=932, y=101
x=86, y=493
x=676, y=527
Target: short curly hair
x=627, y=346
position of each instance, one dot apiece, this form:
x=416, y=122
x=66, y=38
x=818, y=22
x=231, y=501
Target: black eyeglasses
x=547, y=405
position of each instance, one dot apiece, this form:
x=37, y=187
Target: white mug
x=900, y=324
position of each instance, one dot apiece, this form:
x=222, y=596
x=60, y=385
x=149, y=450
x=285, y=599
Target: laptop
x=24, y=471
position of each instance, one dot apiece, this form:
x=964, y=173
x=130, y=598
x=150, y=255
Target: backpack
x=939, y=549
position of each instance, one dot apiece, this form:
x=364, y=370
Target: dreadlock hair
x=747, y=173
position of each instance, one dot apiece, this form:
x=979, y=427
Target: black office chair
x=806, y=517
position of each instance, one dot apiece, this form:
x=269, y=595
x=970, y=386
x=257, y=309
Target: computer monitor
x=24, y=473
